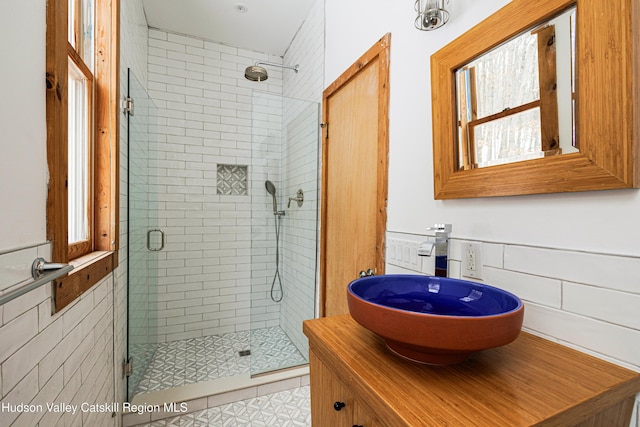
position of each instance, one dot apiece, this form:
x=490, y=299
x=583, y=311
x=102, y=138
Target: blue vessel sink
x=435, y=320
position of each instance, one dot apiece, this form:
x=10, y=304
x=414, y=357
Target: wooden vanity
x=531, y=381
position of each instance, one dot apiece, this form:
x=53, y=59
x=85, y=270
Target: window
x=504, y=114
x=79, y=148
x=82, y=140
x=80, y=25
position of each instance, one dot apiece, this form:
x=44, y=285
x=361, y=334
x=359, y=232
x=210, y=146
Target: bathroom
x=564, y=254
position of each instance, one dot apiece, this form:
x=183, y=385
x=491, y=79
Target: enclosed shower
x=222, y=270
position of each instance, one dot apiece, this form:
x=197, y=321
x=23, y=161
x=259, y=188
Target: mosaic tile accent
x=232, y=180
x=272, y=349
x=284, y=408
x=178, y=363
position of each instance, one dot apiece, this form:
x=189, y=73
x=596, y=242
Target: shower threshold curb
x=216, y=392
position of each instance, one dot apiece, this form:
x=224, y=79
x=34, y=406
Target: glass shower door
x=284, y=246
x=145, y=239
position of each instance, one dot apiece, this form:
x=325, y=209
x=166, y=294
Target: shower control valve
x=299, y=198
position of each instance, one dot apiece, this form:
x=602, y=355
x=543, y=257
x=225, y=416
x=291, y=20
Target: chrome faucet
x=440, y=245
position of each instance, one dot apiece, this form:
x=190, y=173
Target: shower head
x=256, y=73
x=271, y=189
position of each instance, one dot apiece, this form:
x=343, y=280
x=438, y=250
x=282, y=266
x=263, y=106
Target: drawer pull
x=338, y=405
x=356, y=425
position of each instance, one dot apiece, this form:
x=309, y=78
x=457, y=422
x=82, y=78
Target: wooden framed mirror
x=606, y=94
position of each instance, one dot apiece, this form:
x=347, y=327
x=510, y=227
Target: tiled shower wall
x=298, y=240
x=307, y=50
x=205, y=114
x=301, y=165
x=267, y=147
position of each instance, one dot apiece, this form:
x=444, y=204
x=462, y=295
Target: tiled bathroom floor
x=283, y=409
x=200, y=359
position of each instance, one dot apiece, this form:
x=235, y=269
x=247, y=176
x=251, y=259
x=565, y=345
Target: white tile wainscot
x=65, y=357
x=584, y=300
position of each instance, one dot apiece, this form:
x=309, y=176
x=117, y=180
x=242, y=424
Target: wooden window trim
x=104, y=259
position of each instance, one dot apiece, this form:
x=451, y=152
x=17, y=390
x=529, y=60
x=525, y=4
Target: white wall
x=23, y=166
x=572, y=221
x=581, y=245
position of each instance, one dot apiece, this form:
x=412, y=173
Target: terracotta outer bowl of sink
x=435, y=320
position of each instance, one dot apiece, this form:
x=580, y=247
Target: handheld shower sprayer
x=276, y=294
x=271, y=189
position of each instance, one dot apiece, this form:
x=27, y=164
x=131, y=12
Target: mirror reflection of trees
x=516, y=101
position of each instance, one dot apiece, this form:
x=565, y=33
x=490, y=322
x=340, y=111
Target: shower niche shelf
x=232, y=180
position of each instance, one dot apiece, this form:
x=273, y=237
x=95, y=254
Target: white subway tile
x=15, y=267
x=612, y=306
x=28, y=356
x=26, y=302
x=493, y=255
x=15, y=334
x=24, y=392
x=157, y=34
x=185, y=40
x=617, y=342
x=59, y=353
x=80, y=352
x=74, y=314
x=165, y=45
x=540, y=290
x=614, y=272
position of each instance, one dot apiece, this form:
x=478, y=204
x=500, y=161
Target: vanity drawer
x=332, y=404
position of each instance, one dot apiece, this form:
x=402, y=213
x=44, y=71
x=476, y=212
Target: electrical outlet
x=472, y=260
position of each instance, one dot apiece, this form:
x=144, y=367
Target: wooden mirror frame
x=607, y=112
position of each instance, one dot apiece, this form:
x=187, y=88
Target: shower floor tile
x=178, y=363
x=285, y=408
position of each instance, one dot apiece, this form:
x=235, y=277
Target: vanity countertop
x=531, y=381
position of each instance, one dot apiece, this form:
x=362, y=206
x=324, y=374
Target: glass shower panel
x=285, y=139
x=144, y=235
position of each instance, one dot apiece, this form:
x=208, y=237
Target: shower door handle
x=155, y=230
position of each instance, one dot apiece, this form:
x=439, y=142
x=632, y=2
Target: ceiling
x=260, y=25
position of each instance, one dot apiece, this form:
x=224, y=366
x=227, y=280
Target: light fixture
x=431, y=14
